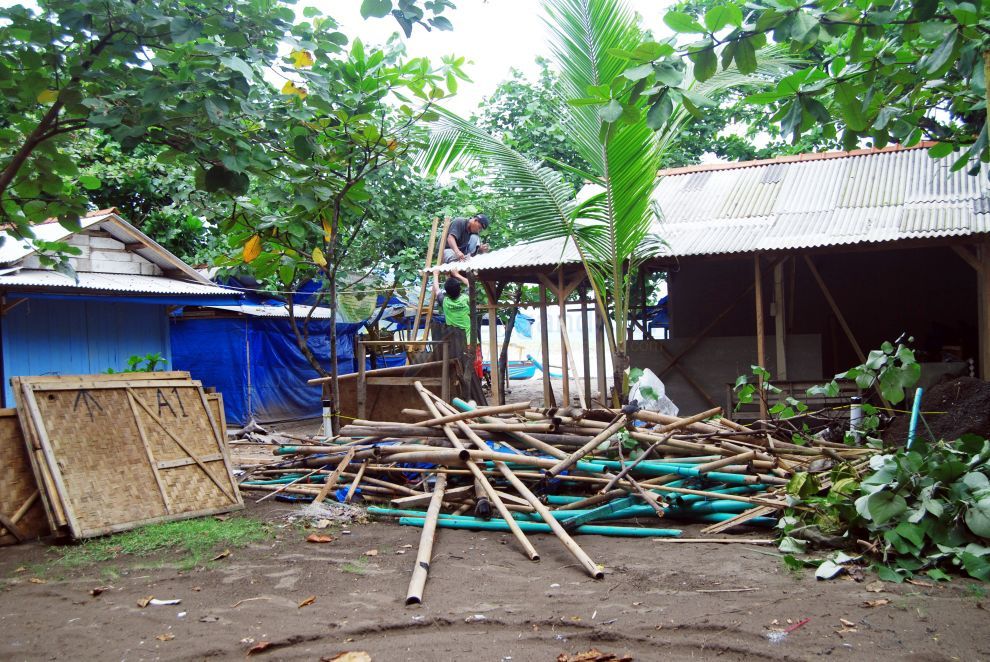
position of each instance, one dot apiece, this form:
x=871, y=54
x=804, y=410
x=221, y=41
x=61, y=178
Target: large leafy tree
x=877, y=72
x=590, y=40
x=342, y=116
x=176, y=73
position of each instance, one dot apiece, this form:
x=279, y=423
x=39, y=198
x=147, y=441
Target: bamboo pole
x=475, y=413
x=426, y=277
x=331, y=481
x=571, y=459
x=590, y=566
x=429, y=310
x=417, y=582
x=355, y=482
x=527, y=547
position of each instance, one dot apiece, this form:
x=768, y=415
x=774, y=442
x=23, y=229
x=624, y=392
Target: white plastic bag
x=651, y=395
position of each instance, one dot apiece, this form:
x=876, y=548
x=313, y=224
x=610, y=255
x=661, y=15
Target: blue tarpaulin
x=257, y=366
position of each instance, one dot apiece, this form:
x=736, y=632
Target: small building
x=110, y=304
x=800, y=263
x=249, y=352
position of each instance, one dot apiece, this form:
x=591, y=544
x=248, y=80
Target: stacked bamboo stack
x=565, y=471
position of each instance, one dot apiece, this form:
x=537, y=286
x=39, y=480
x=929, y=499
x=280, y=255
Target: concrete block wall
x=104, y=254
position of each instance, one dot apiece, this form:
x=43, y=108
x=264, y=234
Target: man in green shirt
x=456, y=310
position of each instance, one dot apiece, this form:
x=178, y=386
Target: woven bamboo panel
x=17, y=482
x=128, y=452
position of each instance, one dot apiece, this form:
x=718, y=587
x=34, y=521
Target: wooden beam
x=983, y=292
x=564, y=344
x=761, y=349
x=493, y=291
x=835, y=309
x=548, y=399
x=779, y=318
x=971, y=259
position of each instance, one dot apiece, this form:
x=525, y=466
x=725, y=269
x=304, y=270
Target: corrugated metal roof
x=258, y=310
x=806, y=201
x=41, y=278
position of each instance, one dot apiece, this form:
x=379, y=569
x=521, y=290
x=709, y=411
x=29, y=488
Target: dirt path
x=484, y=601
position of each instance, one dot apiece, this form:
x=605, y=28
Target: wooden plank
x=761, y=340
x=111, y=377
x=97, y=385
x=220, y=433
x=12, y=528
x=401, y=381
x=181, y=444
x=155, y=466
x=362, y=381
x=50, y=499
x=332, y=479
x=970, y=259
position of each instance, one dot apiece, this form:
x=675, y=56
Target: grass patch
x=194, y=539
x=358, y=567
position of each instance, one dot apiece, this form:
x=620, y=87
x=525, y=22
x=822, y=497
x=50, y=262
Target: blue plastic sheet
x=257, y=366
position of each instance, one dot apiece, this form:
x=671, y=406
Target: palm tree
x=612, y=227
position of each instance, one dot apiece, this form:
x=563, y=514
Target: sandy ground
x=484, y=601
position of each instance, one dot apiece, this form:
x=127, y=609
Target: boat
x=517, y=369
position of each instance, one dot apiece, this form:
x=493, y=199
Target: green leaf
x=89, y=182
x=705, y=63
x=681, y=22
x=746, y=56
x=660, y=112
x=638, y=73
x=717, y=18
x=978, y=518
x=611, y=112
x=375, y=8
x=941, y=55
x=852, y=106
x=441, y=23
x=238, y=65
x=184, y=29
x=884, y=505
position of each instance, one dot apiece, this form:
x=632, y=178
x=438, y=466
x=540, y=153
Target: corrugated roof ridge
x=791, y=158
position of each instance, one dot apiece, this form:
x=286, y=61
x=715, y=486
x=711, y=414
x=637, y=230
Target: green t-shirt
x=457, y=313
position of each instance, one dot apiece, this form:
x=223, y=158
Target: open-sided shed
x=802, y=264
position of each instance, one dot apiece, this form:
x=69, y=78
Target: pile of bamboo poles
x=565, y=471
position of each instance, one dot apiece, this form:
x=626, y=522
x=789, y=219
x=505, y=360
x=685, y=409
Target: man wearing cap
x=463, y=240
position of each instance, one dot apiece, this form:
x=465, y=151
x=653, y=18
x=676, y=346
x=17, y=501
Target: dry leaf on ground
x=847, y=623
x=307, y=602
x=876, y=603
x=222, y=555
x=38, y=580
x=348, y=656
x=593, y=655
x=168, y=636
x=144, y=602
x=259, y=647
x=371, y=552
x=313, y=537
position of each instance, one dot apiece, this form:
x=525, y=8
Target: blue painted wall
x=64, y=337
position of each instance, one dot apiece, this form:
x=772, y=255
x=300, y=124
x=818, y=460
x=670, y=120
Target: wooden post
x=983, y=291
x=475, y=333
x=491, y=289
x=548, y=399
x=564, y=371
x=600, y=357
x=445, y=371
x=362, y=385
x=761, y=349
x=644, y=317
x=779, y=317
x=585, y=344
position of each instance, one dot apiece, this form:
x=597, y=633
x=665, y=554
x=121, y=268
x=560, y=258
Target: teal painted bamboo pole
x=537, y=527
x=662, y=469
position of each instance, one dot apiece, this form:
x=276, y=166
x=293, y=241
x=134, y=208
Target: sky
x=494, y=35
